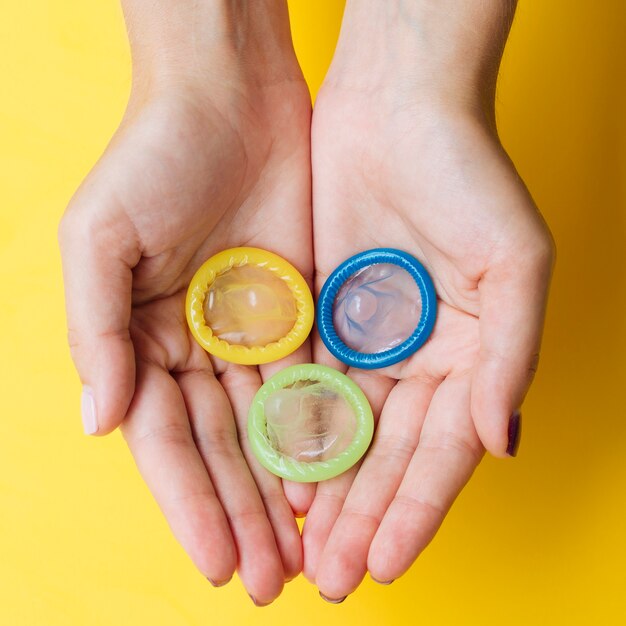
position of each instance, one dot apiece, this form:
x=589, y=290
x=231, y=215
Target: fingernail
x=88, y=411
x=219, y=583
x=515, y=431
x=332, y=600
x=257, y=603
x=382, y=582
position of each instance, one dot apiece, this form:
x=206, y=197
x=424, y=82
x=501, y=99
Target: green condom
x=309, y=423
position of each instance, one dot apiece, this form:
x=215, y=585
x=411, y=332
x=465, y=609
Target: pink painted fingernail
x=88, y=411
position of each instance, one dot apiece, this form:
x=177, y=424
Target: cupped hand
x=434, y=181
x=193, y=169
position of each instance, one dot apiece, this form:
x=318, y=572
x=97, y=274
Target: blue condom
x=377, y=308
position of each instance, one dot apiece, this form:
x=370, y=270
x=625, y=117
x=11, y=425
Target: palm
x=388, y=175
x=189, y=178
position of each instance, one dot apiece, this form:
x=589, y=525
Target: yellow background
x=538, y=540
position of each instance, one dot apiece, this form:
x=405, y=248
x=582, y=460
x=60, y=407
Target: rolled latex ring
x=302, y=471
x=348, y=269
x=217, y=266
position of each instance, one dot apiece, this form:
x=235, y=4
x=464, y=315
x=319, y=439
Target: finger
x=331, y=494
x=215, y=435
x=448, y=452
x=344, y=560
x=325, y=509
x=512, y=311
x=159, y=436
x=299, y=495
x=241, y=384
x=98, y=249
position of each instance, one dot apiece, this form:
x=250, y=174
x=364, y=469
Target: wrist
x=209, y=44
x=443, y=51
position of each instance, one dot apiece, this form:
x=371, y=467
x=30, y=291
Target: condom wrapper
x=377, y=308
x=309, y=423
x=249, y=306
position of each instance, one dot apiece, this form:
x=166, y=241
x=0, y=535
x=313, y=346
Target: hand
x=213, y=152
x=401, y=160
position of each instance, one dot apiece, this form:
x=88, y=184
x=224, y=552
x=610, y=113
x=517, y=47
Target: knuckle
x=77, y=339
x=249, y=514
x=350, y=514
x=196, y=499
x=330, y=499
x=170, y=435
x=394, y=447
x=450, y=442
x=273, y=500
x=416, y=504
x=220, y=443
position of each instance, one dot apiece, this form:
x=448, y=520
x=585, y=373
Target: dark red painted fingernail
x=219, y=583
x=332, y=600
x=382, y=582
x=257, y=603
x=515, y=432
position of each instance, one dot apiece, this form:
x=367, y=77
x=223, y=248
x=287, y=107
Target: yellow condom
x=249, y=306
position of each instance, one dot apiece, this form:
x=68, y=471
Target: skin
x=214, y=151
x=405, y=154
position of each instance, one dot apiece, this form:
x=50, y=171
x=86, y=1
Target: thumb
x=513, y=299
x=98, y=250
